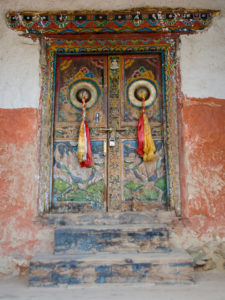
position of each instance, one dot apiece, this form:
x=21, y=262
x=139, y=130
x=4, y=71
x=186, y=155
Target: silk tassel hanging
x=84, y=143
x=146, y=147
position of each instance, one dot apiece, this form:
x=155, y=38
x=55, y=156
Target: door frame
x=111, y=44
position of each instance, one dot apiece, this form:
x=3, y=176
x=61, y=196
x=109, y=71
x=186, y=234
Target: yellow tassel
x=149, y=146
x=81, y=143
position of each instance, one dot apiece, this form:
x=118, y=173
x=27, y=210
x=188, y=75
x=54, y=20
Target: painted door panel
x=143, y=183
x=119, y=179
x=75, y=188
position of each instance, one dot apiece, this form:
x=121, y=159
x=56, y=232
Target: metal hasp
x=112, y=134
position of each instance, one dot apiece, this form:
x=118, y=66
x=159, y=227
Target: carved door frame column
x=167, y=49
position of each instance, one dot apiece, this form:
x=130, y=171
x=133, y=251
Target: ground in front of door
x=208, y=286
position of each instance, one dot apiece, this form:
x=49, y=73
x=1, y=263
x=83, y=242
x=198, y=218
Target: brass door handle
x=106, y=129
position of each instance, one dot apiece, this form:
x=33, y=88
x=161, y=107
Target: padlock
x=112, y=141
x=97, y=117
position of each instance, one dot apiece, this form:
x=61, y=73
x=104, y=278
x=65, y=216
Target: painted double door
x=119, y=178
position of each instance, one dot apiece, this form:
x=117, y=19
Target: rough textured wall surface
x=20, y=235
x=202, y=228
x=204, y=163
x=202, y=153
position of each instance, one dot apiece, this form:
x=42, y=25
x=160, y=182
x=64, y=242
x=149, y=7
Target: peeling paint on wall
x=204, y=164
x=20, y=235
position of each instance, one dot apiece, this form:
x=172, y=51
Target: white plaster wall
x=202, y=60
x=202, y=55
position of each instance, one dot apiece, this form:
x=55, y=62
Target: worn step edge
x=122, y=227
x=173, y=256
x=51, y=270
x=153, y=216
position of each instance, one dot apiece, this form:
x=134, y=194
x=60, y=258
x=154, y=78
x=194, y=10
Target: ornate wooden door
x=119, y=179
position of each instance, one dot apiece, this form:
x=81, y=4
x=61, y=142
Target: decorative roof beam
x=139, y=20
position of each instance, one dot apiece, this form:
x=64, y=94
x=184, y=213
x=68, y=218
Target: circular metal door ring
x=136, y=89
x=84, y=87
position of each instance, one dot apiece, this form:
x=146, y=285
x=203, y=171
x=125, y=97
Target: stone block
x=111, y=238
x=130, y=267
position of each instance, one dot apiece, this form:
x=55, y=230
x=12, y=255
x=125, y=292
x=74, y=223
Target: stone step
x=124, y=267
x=108, y=218
x=81, y=239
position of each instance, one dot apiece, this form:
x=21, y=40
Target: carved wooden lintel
x=138, y=20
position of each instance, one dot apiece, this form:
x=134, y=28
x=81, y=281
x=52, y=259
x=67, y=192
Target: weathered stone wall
x=202, y=63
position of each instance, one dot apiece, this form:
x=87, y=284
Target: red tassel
x=88, y=161
x=141, y=136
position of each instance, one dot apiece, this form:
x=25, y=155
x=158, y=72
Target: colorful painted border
x=158, y=20
x=167, y=49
